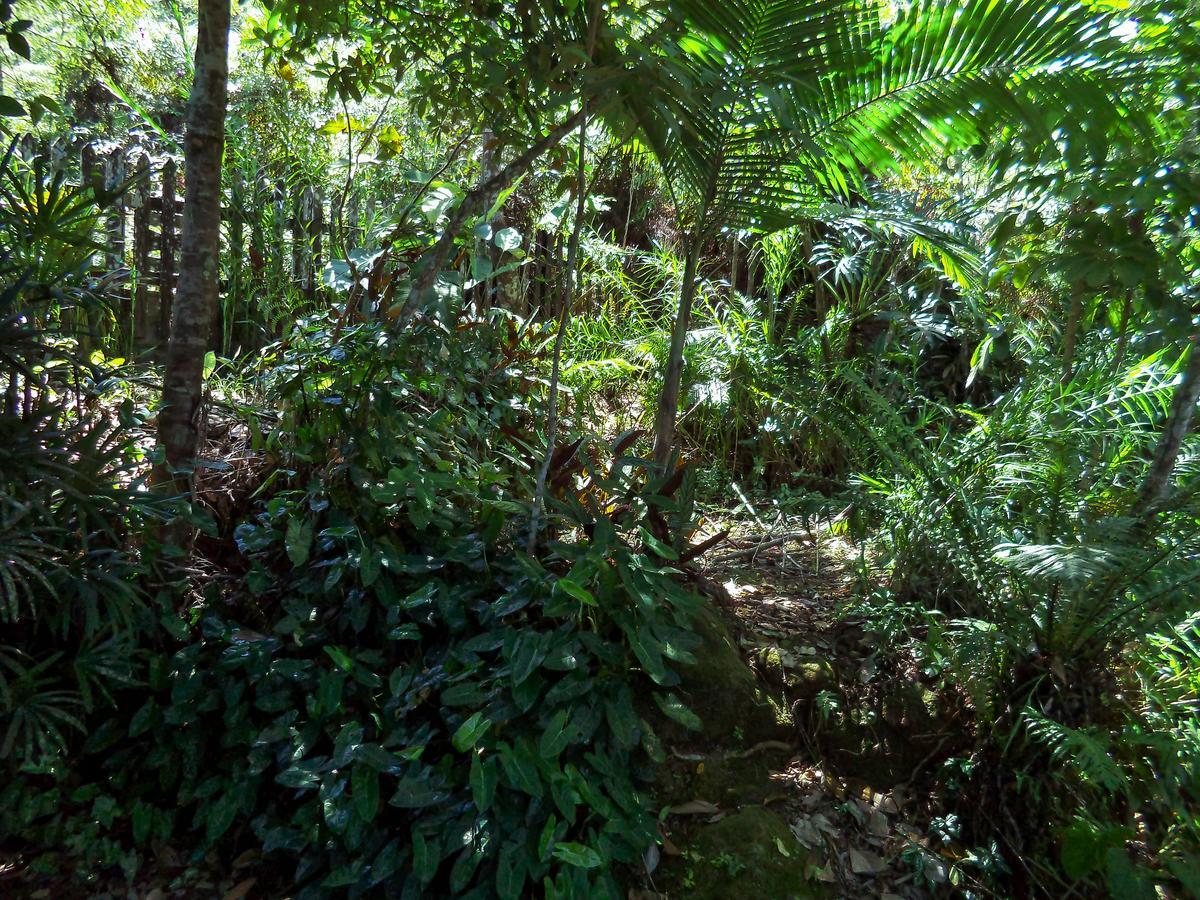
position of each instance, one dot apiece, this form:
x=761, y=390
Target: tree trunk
x=1071, y=334
x=1179, y=421
x=1123, y=332
x=668, y=401
x=539, y=493
x=195, y=303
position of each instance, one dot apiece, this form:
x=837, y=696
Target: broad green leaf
x=576, y=590
x=10, y=107
x=507, y=239
x=657, y=546
x=415, y=793
x=556, y=737
x=298, y=540
x=364, y=788
x=527, y=654
x=221, y=813
x=470, y=731
x=511, y=872
x=546, y=841
x=426, y=856
x=341, y=658
x=484, y=777
x=578, y=855
x=623, y=721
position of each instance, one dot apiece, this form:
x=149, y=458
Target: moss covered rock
x=751, y=854
x=723, y=691
x=803, y=676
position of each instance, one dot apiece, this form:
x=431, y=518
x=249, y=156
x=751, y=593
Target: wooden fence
x=278, y=239
x=271, y=234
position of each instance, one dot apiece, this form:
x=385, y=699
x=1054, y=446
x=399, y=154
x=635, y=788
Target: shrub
x=395, y=696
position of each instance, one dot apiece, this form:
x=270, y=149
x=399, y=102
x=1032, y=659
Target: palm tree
x=765, y=110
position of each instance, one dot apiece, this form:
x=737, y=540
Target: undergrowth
x=404, y=700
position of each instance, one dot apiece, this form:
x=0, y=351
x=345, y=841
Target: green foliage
x=1022, y=581
x=375, y=686
x=72, y=610
x=404, y=699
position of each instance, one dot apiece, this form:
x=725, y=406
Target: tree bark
x=1123, y=332
x=1179, y=421
x=196, y=298
x=668, y=401
x=1074, y=314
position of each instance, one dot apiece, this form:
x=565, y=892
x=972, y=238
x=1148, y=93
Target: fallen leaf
x=886, y=803
x=864, y=862
x=821, y=822
x=806, y=833
x=935, y=870
x=247, y=858
x=877, y=824
x=650, y=858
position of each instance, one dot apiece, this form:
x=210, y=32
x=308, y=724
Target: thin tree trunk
x=1123, y=332
x=539, y=493
x=751, y=268
x=668, y=401
x=200, y=244
x=472, y=204
x=1072, y=332
x=734, y=270
x=1179, y=421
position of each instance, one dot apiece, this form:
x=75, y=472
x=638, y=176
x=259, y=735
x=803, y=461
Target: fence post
x=279, y=222
x=167, y=245
x=89, y=322
x=114, y=257
x=144, y=324
x=306, y=238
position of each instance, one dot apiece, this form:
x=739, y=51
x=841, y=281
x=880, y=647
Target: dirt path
x=827, y=796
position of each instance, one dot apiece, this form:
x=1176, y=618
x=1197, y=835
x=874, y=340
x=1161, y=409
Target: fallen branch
x=765, y=543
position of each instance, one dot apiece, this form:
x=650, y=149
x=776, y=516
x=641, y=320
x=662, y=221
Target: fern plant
x=1015, y=538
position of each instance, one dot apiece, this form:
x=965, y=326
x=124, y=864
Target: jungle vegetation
x=397, y=397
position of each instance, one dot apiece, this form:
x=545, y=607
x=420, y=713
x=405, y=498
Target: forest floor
x=829, y=803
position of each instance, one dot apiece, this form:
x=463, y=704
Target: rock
x=723, y=691
x=911, y=706
x=809, y=678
